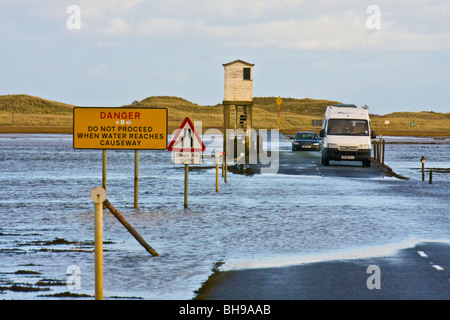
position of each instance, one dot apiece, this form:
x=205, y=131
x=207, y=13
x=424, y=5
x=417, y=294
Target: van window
x=348, y=127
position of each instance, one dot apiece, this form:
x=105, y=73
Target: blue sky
x=391, y=55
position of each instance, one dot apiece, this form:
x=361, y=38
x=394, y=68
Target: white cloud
x=346, y=30
x=159, y=27
x=117, y=26
x=99, y=70
x=293, y=24
x=288, y=24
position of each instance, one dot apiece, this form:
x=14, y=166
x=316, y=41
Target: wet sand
x=418, y=273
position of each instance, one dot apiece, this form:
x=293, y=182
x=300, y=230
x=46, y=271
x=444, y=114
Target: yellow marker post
x=186, y=176
x=217, y=170
x=98, y=196
x=279, y=101
x=136, y=178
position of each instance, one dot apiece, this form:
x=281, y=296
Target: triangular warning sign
x=186, y=139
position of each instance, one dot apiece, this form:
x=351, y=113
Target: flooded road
x=305, y=211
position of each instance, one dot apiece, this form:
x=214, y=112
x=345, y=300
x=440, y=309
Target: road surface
x=309, y=163
x=418, y=273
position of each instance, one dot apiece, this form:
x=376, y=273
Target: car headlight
x=332, y=146
x=363, y=146
x=296, y=143
x=316, y=143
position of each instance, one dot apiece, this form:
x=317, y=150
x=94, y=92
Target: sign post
x=186, y=177
x=186, y=145
x=98, y=196
x=136, y=178
x=104, y=157
x=218, y=154
x=279, y=103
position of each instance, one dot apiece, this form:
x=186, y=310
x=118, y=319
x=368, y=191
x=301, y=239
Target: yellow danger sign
x=119, y=128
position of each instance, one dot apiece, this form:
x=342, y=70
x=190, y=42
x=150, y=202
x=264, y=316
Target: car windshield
x=348, y=127
x=306, y=135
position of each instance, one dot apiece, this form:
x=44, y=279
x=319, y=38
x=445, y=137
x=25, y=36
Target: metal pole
x=136, y=178
x=98, y=195
x=217, y=171
x=374, y=149
x=257, y=145
x=223, y=169
x=98, y=251
x=226, y=168
x=104, y=169
x=186, y=170
x=423, y=168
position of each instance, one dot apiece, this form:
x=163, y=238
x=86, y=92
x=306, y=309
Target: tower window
x=247, y=74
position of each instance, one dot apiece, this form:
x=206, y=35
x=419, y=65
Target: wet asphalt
x=418, y=273
x=308, y=163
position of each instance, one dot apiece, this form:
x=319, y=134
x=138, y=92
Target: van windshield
x=348, y=127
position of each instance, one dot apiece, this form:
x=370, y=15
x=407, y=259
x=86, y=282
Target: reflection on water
x=47, y=217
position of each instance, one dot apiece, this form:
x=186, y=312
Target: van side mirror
x=373, y=135
x=322, y=133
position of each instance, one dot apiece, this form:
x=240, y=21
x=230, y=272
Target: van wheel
x=326, y=161
x=366, y=163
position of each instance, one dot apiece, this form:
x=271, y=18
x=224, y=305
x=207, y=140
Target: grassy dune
x=23, y=113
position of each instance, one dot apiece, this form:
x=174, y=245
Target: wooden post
x=125, y=223
x=378, y=152
x=104, y=169
x=98, y=251
x=98, y=195
x=136, y=178
x=223, y=165
x=186, y=171
x=257, y=145
x=431, y=176
x=384, y=144
x=224, y=159
x=226, y=125
x=374, y=147
x=423, y=167
x=217, y=171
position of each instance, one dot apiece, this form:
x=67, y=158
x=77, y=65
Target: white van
x=346, y=134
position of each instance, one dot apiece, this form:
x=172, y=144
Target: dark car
x=306, y=141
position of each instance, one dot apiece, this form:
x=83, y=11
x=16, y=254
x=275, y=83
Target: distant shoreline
x=33, y=130
x=69, y=130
